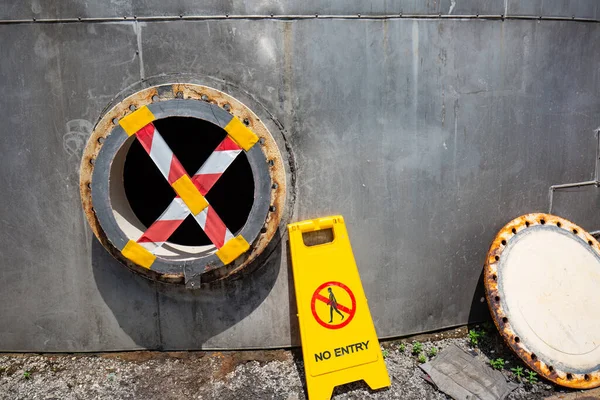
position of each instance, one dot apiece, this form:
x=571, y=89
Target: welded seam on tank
x=291, y=18
x=138, y=34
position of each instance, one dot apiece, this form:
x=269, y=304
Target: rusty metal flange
x=172, y=269
x=542, y=281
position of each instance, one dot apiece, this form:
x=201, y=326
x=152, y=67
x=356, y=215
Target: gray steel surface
x=428, y=135
x=40, y=9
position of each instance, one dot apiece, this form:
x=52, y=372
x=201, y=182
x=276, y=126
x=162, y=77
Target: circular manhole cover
x=542, y=279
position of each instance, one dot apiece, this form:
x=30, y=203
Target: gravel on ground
x=238, y=375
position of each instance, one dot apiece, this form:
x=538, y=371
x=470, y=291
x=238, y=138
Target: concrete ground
x=272, y=374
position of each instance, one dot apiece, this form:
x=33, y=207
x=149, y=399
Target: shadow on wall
x=294, y=323
x=160, y=316
x=479, y=311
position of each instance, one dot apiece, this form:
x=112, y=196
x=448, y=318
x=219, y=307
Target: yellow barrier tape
x=190, y=195
x=138, y=254
x=240, y=134
x=233, y=249
x=136, y=120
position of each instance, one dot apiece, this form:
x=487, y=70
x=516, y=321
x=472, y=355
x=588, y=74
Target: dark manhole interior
x=192, y=140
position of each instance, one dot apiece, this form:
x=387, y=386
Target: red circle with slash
x=348, y=310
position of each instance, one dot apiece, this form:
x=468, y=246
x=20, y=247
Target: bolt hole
x=261, y=140
x=263, y=230
x=246, y=121
x=226, y=107
x=558, y=224
x=494, y=277
x=527, y=224
x=504, y=243
x=132, y=107
x=100, y=140
x=155, y=98
x=514, y=231
x=542, y=221
x=505, y=320
x=274, y=186
x=271, y=162
x=590, y=242
x=115, y=121
x=550, y=368
x=179, y=95
x=575, y=231
x=204, y=97
x=497, y=298
x=497, y=258
x=569, y=377
x=272, y=208
x=533, y=357
x=517, y=339
x=92, y=161
x=586, y=377
x=89, y=185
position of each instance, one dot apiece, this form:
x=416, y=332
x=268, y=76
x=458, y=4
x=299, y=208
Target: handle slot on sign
x=315, y=238
x=320, y=231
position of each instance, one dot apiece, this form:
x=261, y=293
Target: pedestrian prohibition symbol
x=333, y=304
x=339, y=342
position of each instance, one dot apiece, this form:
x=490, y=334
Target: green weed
x=497, y=363
x=518, y=371
x=474, y=337
x=417, y=348
x=531, y=377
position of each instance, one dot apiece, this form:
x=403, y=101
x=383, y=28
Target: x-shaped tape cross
x=190, y=191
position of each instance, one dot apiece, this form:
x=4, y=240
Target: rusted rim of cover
x=193, y=92
x=492, y=274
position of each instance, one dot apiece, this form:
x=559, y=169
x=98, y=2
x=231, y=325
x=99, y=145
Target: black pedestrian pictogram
x=333, y=306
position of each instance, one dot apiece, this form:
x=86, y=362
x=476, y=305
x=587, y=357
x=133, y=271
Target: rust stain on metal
x=502, y=319
x=201, y=93
x=271, y=152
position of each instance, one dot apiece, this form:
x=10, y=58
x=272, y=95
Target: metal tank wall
x=427, y=124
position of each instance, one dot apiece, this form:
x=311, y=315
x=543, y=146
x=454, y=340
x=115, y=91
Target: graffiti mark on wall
x=78, y=132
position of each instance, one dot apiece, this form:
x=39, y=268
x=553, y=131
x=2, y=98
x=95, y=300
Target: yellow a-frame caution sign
x=339, y=342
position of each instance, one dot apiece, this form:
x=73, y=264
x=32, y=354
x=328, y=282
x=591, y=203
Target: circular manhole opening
x=183, y=180
x=193, y=140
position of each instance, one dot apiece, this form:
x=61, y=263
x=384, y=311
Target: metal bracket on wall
x=595, y=182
